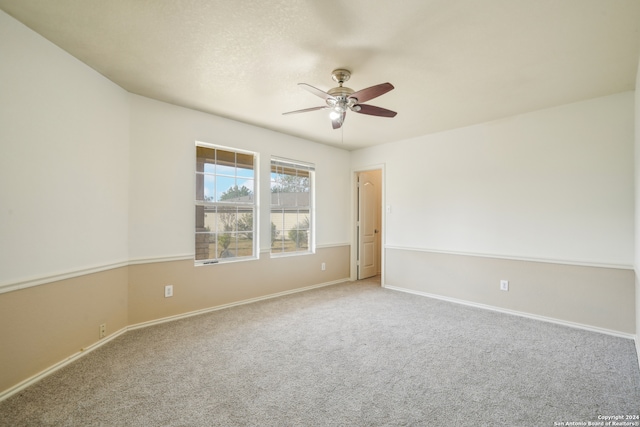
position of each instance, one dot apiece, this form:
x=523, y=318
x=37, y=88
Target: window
x=291, y=207
x=225, y=204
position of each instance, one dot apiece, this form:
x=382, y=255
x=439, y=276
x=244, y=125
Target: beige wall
x=601, y=298
x=42, y=325
x=201, y=287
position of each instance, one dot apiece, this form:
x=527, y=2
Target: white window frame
x=202, y=203
x=308, y=168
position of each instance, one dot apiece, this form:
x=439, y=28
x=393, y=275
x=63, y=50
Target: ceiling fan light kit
x=341, y=98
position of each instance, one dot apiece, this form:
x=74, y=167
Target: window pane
x=245, y=244
x=290, y=220
x=294, y=241
x=205, y=187
x=209, y=188
x=277, y=221
x=227, y=245
x=245, y=173
x=210, y=220
x=225, y=158
x=283, y=200
x=199, y=186
x=205, y=159
x=200, y=218
x=227, y=218
x=245, y=221
x=245, y=191
x=275, y=188
x=303, y=220
x=205, y=246
x=278, y=243
x=244, y=161
x=225, y=188
x=291, y=184
x=297, y=239
x=226, y=170
x=302, y=199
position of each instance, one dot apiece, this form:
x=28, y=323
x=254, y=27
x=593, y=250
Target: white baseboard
x=518, y=313
x=84, y=351
x=233, y=304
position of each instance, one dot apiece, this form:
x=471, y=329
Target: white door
x=367, y=222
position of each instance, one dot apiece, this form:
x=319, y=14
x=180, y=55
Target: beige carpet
x=352, y=354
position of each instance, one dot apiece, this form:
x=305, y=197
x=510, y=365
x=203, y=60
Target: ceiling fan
x=341, y=98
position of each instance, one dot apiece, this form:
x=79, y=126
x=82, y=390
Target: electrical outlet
x=168, y=291
x=103, y=330
x=323, y=267
x=504, y=285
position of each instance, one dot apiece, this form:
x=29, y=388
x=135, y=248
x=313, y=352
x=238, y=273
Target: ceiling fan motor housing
x=339, y=96
x=340, y=91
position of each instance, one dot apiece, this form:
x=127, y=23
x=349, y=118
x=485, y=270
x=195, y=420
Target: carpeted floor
x=352, y=354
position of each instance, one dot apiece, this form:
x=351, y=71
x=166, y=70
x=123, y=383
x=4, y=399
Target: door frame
x=354, y=219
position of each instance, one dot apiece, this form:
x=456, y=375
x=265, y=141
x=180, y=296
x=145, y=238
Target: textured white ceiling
x=453, y=62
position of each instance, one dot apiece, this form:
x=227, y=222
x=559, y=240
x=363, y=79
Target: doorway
x=368, y=223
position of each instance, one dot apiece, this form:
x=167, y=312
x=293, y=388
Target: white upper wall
x=162, y=186
x=555, y=184
x=64, y=141
x=74, y=145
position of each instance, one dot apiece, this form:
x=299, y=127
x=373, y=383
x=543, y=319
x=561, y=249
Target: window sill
x=290, y=254
x=208, y=262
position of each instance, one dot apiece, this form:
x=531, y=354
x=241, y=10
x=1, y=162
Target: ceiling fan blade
x=338, y=121
x=306, y=109
x=315, y=91
x=365, y=95
x=373, y=110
